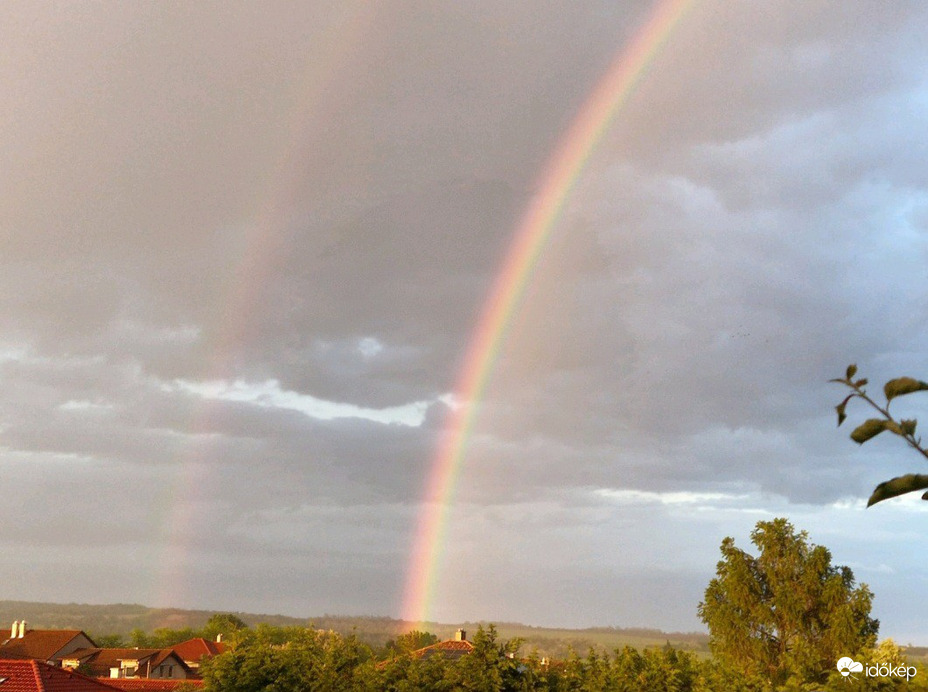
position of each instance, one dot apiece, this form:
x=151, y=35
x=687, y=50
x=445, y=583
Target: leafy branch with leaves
x=870, y=428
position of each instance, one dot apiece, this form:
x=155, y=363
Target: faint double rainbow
x=556, y=182
x=183, y=500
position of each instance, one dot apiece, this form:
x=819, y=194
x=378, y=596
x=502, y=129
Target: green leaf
x=851, y=371
x=868, y=429
x=903, y=385
x=908, y=426
x=898, y=486
x=840, y=409
x=893, y=427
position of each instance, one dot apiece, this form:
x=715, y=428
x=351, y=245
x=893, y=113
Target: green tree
x=885, y=422
x=164, y=637
x=408, y=674
x=222, y=623
x=788, y=613
x=408, y=642
x=108, y=641
x=290, y=660
x=139, y=638
x=490, y=667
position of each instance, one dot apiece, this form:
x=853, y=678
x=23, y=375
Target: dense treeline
x=298, y=659
x=223, y=624
x=139, y=625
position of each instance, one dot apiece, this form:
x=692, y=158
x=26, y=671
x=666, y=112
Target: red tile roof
x=99, y=661
x=451, y=649
x=153, y=684
x=35, y=676
x=38, y=644
x=194, y=649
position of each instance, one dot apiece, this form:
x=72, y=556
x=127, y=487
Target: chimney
x=13, y=629
x=460, y=636
x=219, y=637
x=22, y=628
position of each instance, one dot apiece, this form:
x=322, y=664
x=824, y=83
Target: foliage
x=407, y=643
x=107, y=641
x=786, y=613
x=285, y=659
x=222, y=624
x=870, y=428
x=289, y=660
x=490, y=667
x=119, y=619
x=161, y=638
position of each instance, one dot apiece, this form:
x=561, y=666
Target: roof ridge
x=39, y=684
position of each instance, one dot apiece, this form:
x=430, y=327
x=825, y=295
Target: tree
x=870, y=428
x=490, y=666
x=786, y=613
x=222, y=623
x=408, y=642
x=290, y=659
x=108, y=641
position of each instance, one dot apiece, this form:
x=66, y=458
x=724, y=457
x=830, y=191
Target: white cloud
x=268, y=394
x=83, y=405
x=630, y=496
x=369, y=347
x=139, y=331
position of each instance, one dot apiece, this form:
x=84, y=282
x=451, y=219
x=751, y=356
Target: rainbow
x=261, y=241
x=556, y=182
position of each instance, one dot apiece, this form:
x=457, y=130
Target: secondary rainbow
x=556, y=182
x=261, y=243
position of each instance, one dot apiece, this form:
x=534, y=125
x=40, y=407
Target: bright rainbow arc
x=557, y=181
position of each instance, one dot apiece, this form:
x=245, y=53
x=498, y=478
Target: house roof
x=99, y=661
x=38, y=644
x=196, y=648
x=451, y=649
x=111, y=657
x=35, y=676
x=152, y=684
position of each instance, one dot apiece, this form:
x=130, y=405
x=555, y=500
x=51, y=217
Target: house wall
x=171, y=667
x=81, y=641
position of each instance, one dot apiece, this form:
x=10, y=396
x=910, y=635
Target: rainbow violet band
x=556, y=183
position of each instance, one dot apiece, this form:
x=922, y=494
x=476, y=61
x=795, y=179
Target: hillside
x=122, y=618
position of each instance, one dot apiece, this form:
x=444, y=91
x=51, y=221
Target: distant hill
x=122, y=618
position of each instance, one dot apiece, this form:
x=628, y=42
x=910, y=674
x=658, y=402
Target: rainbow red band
x=557, y=181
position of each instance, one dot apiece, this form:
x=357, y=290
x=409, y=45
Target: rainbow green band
x=557, y=181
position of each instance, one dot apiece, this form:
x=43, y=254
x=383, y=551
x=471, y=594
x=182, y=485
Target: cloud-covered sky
x=245, y=247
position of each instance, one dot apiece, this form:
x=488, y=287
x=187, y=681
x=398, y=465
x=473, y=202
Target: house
x=49, y=646
x=193, y=651
x=128, y=663
x=451, y=649
x=21, y=675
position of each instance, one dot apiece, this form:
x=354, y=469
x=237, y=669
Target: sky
x=244, y=249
